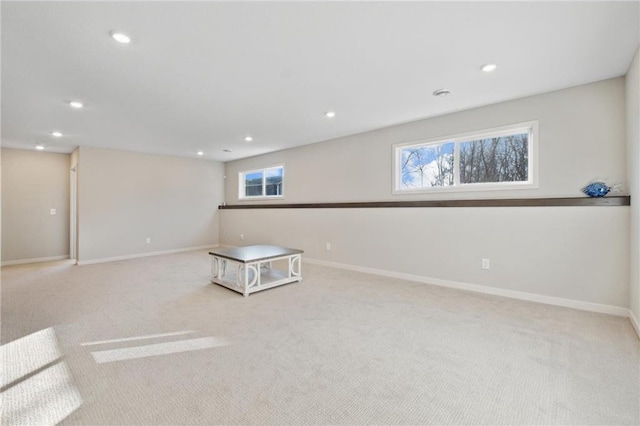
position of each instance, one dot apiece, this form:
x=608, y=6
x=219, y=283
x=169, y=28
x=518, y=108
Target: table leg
x=218, y=268
x=246, y=280
x=295, y=266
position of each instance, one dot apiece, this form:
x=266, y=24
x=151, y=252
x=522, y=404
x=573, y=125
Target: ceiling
x=204, y=75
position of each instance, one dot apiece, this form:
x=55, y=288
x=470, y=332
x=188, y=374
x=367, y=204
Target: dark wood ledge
x=624, y=200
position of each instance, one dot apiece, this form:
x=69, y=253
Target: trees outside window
x=490, y=159
x=264, y=183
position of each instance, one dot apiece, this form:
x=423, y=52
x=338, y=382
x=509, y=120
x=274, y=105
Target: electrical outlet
x=486, y=264
x=242, y=236
x=148, y=240
x=328, y=246
x=52, y=212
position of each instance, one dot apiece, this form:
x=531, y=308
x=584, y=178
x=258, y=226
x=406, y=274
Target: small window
x=262, y=183
x=500, y=158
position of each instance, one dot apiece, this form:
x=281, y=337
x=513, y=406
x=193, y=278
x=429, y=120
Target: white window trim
x=532, y=183
x=241, y=188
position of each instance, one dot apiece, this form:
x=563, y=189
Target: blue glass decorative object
x=596, y=189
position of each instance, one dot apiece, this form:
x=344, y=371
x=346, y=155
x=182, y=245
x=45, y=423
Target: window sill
x=278, y=197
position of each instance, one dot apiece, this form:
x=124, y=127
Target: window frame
x=532, y=165
x=242, y=188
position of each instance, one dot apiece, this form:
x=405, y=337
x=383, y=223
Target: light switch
x=52, y=212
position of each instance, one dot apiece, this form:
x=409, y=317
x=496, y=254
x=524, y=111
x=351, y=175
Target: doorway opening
x=73, y=255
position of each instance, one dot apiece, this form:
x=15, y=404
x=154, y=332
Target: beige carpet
x=339, y=348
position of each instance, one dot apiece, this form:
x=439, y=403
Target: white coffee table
x=253, y=267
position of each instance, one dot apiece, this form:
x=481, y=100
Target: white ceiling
x=203, y=75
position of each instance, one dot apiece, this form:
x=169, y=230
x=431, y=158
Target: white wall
x=577, y=253
x=125, y=197
x=33, y=183
x=633, y=158
x=581, y=132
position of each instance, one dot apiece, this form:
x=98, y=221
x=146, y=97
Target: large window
x=500, y=158
x=264, y=183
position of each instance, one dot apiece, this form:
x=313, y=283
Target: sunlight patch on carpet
x=157, y=349
x=36, y=384
x=128, y=339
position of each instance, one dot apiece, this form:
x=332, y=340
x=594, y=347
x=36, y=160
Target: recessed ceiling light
x=441, y=93
x=248, y=139
x=226, y=150
x=56, y=134
x=120, y=37
x=200, y=153
x=39, y=147
x=488, y=67
x=330, y=114
x=75, y=104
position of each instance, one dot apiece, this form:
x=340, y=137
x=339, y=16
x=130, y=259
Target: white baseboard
x=634, y=322
x=531, y=297
x=147, y=254
x=34, y=260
